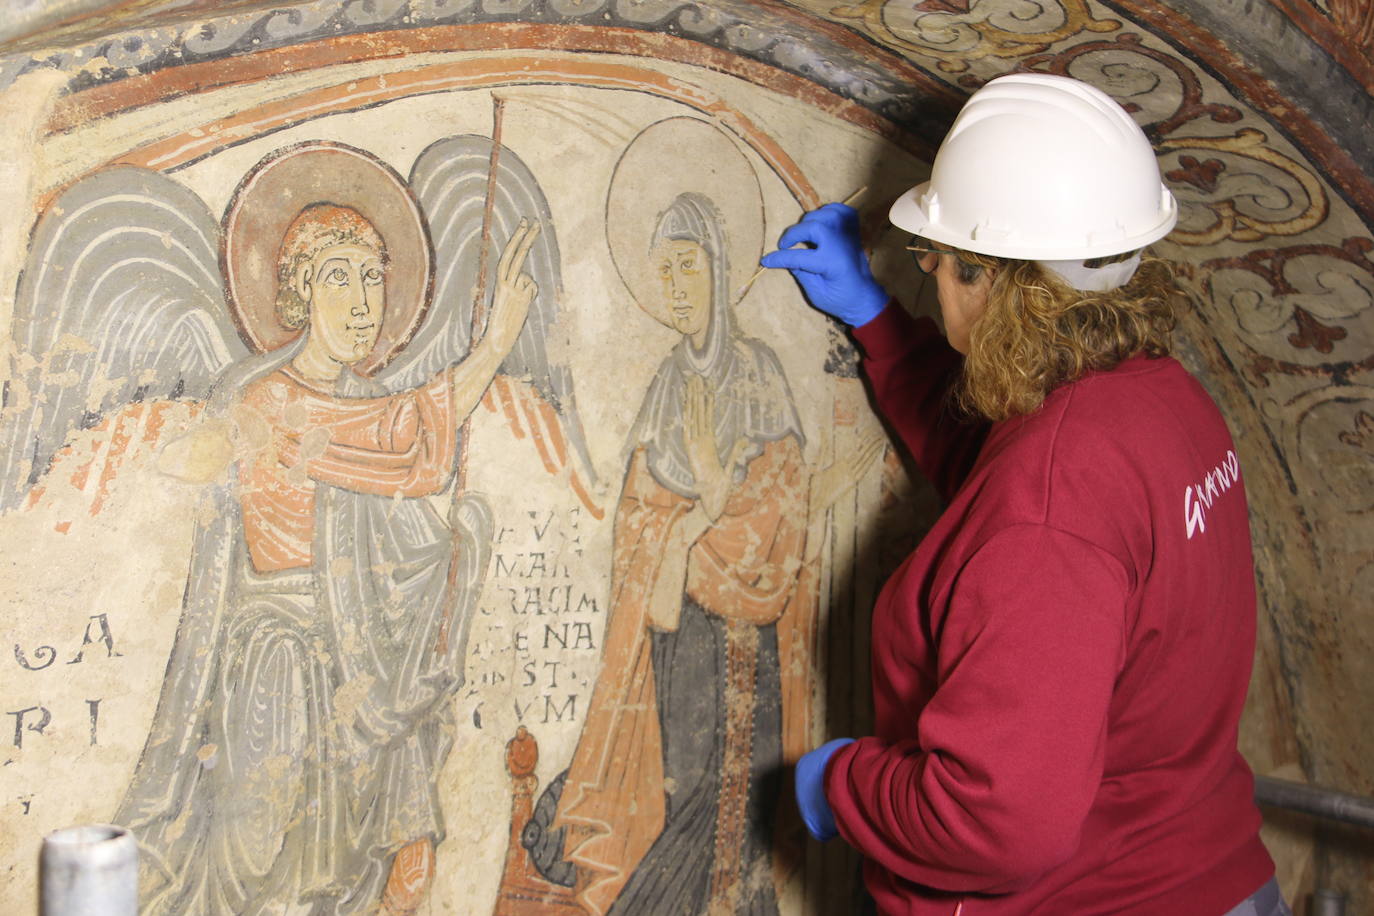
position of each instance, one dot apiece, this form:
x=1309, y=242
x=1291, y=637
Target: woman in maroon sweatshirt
x=1059, y=668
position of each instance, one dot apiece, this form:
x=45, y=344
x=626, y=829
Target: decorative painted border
x=916, y=103
x=160, y=85
x=206, y=139
x=770, y=34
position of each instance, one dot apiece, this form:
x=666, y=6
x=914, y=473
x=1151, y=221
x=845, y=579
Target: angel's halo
x=275, y=191
x=668, y=158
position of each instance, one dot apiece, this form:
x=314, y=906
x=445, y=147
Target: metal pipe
x=89, y=871
x=1328, y=803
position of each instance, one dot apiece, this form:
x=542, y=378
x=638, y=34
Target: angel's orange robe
x=399, y=444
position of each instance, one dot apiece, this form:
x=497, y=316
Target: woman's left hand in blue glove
x=810, y=787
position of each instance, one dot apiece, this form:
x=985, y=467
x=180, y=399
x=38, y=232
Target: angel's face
x=347, y=297
x=684, y=269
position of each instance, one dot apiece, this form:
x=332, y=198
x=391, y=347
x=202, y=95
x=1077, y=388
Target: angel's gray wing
x=120, y=302
x=450, y=180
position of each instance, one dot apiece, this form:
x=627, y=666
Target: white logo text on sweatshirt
x=1198, y=498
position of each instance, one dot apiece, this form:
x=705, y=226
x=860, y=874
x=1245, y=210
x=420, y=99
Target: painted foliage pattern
x=1280, y=255
x=1284, y=267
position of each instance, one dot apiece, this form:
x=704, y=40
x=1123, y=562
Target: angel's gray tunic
x=304, y=719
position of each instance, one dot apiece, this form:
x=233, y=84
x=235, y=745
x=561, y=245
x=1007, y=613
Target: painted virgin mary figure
x=668, y=804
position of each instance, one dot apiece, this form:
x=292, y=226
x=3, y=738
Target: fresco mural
x=339, y=384
x=562, y=491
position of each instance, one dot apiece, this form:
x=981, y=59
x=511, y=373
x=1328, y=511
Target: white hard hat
x=1041, y=167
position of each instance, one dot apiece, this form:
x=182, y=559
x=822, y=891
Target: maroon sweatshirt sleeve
x=912, y=369
x=1009, y=750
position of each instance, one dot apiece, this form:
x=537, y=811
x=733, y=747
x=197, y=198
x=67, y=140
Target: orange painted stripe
x=527, y=406
x=126, y=422
x=551, y=422
x=596, y=511
x=508, y=406
x=81, y=476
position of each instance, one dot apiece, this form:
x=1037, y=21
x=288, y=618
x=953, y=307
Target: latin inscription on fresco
x=30, y=717
x=543, y=611
x=35, y=719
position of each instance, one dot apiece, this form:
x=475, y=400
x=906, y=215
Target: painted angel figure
x=305, y=713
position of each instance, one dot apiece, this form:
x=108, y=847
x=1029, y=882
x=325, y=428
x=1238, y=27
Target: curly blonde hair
x=1037, y=332
x=314, y=229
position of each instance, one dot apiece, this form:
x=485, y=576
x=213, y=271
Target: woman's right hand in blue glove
x=834, y=271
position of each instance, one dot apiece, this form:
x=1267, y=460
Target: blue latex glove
x=810, y=787
x=834, y=274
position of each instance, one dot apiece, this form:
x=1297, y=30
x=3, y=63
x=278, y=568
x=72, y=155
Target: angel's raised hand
x=515, y=289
